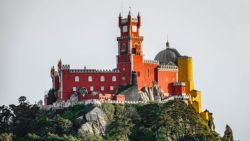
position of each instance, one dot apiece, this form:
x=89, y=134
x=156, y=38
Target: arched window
x=113, y=78
x=90, y=79
x=77, y=79
x=102, y=78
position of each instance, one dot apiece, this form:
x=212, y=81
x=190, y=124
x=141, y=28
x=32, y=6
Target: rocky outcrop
x=151, y=93
x=131, y=94
x=228, y=134
x=146, y=94
x=96, y=122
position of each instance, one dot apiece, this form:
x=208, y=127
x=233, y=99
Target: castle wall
x=108, y=85
x=166, y=78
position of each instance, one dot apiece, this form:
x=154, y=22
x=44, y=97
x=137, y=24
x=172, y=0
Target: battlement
x=151, y=62
x=129, y=37
x=94, y=71
x=65, y=67
x=168, y=67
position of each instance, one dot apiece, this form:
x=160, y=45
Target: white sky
x=35, y=34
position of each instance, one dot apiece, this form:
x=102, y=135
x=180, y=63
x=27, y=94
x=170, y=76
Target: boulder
x=96, y=124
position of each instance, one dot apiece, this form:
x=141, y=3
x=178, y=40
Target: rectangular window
x=91, y=88
x=111, y=88
x=74, y=89
x=102, y=88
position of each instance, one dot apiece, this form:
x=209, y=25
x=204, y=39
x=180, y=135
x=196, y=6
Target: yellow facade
x=185, y=74
x=196, y=100
x=205, y=115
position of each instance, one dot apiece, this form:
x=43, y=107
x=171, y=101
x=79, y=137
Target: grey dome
x=168, y=56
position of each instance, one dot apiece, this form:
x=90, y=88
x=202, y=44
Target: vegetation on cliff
x=173, y=120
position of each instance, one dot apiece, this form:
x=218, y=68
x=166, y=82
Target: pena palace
x=172, y=71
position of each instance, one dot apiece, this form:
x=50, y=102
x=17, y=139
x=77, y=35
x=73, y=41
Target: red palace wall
x=69, y=82
x=166, y=80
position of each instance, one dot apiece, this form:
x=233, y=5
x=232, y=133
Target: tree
x=22, y=99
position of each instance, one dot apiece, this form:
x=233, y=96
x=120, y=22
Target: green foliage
x=51, y=96
x=77, y=110
x=173, y=120
x=109, y=109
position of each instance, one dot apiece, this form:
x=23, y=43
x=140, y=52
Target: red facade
x=129, y=59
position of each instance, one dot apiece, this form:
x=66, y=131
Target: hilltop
x=169, y=121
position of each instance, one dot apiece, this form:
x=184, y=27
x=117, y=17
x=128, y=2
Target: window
x=138, y=74
x=124, y=28
x=102, y=88
x=91, y=88
x=123, y=78
x=147, y=73
x=77, y=79
x=134, y=28
x=111, y=88
x=74, y=89
x=123, y=49
x=123, y=69
x=113, y=78
x=102, y=78
x=90, y=79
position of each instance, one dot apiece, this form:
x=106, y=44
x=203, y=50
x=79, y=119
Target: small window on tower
x=123, y=49
x=134, y=28
x=125, y=28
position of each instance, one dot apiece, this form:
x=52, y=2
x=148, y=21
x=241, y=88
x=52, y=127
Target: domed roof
x=168, y=56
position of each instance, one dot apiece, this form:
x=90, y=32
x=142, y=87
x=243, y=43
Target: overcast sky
x=35, y=34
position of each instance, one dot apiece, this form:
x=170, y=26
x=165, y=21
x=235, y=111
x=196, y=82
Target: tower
x=129, y=45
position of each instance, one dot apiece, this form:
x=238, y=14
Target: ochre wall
x=185, y=73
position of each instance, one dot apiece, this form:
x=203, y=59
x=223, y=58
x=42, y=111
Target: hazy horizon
x=34, y=35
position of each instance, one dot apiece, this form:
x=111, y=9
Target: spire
x=167, y=44
x=138, y=14
x=120, y=15
x=129, y=13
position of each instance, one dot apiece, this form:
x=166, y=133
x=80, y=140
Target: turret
x=139, y=20
x=52, y=71
x=59, y=65
x=129, y=16
x=120, y=20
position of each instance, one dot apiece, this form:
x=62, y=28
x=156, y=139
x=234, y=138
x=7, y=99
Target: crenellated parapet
x=151, y=62
x=168, y=67
x=94, y=71
x=130, y=38
x=66, y=67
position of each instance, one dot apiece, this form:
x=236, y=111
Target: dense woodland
x=173, y=120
